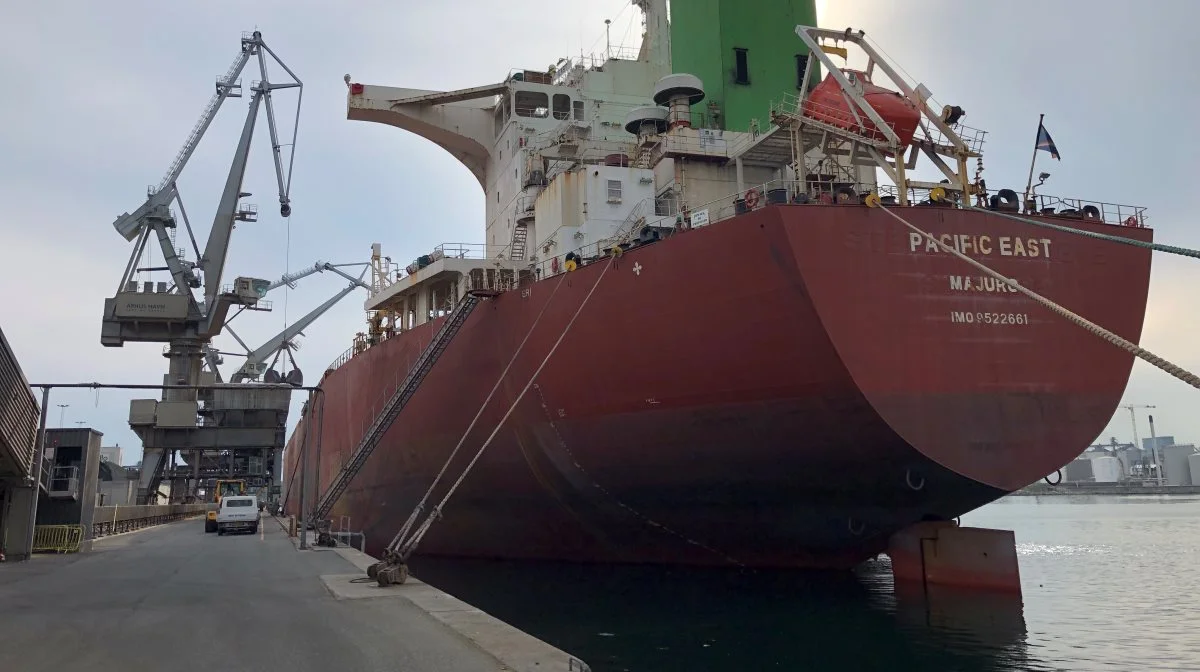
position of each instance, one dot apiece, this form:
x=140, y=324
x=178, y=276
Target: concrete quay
x=174, y=596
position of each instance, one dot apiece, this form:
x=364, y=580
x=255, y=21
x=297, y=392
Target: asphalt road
x=172, y=597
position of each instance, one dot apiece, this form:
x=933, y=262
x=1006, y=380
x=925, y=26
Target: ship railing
x=973, y=138
x=787, y=191
x=777, y=192
x=342, y=359
x=460, y=251
x=1109, y=213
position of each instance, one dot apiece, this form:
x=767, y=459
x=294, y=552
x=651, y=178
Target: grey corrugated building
x=19, y=412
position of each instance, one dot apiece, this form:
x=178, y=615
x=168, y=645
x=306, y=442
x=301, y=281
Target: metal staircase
x=645, y=154
x=520, y=236
x=398, y=401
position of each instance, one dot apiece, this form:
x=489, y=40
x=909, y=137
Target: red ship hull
x=786, y=388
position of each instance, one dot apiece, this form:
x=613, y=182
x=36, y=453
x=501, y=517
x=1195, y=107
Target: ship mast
x=656, y=41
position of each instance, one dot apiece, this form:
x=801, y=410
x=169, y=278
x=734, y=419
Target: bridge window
x=614, y=191
x=741, y=67
x=562, y=106
x=531, y=104
x=578, y=107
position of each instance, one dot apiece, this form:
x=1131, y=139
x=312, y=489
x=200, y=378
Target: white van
x=238, y=512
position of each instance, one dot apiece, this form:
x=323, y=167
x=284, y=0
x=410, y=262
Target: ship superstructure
x=581, y=157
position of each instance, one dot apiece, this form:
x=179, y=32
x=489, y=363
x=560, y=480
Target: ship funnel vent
x=649, y=120
x=678, y=93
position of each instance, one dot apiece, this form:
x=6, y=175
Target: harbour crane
x=156, y=312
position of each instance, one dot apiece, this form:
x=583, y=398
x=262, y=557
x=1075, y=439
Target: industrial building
x=18, y=429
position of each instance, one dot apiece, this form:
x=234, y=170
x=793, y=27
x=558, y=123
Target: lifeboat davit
x=826, y=103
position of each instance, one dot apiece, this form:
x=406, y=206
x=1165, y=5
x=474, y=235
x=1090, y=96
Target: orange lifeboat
x=826, y=103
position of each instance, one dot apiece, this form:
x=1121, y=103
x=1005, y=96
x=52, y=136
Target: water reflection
x=664, y=619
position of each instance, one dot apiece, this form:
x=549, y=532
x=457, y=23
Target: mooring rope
x=407, y=547
x=503, y=374
x=1170, y=249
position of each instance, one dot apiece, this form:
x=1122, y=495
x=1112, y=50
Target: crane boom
x=290, y=279
x=255, y=364
x=227, y=87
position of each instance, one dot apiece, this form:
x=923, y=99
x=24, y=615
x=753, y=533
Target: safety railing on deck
x=973, y=138
x=571, y=72
x=1109, y=213
x=777, y=192
x=341, y=359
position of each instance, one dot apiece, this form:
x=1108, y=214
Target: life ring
x=554, y=266
x=752, y=198
x=1131, y=220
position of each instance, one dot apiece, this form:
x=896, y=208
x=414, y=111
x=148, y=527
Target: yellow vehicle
x=222, y=488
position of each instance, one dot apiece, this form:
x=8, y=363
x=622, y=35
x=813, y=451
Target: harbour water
x=1110, y=582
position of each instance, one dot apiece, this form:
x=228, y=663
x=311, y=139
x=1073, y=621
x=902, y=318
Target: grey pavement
x=173, y=597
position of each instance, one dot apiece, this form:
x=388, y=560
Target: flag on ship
x=1045, y=142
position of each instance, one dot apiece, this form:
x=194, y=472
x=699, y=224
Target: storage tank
x=1078, y=470
x=1176, y=470
x=1107, y=469
x=1194, y=467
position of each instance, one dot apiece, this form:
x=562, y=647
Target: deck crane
x=172, y=314
x=255, y=365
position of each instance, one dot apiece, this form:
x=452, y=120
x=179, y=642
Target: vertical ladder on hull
x=520, y=233
x=398, y=401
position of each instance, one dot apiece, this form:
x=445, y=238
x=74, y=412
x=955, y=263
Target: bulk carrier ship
x=732, y=357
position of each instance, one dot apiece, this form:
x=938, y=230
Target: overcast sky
x=100, y=96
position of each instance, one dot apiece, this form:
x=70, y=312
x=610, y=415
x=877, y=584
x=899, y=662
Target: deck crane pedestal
x=170, y=313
